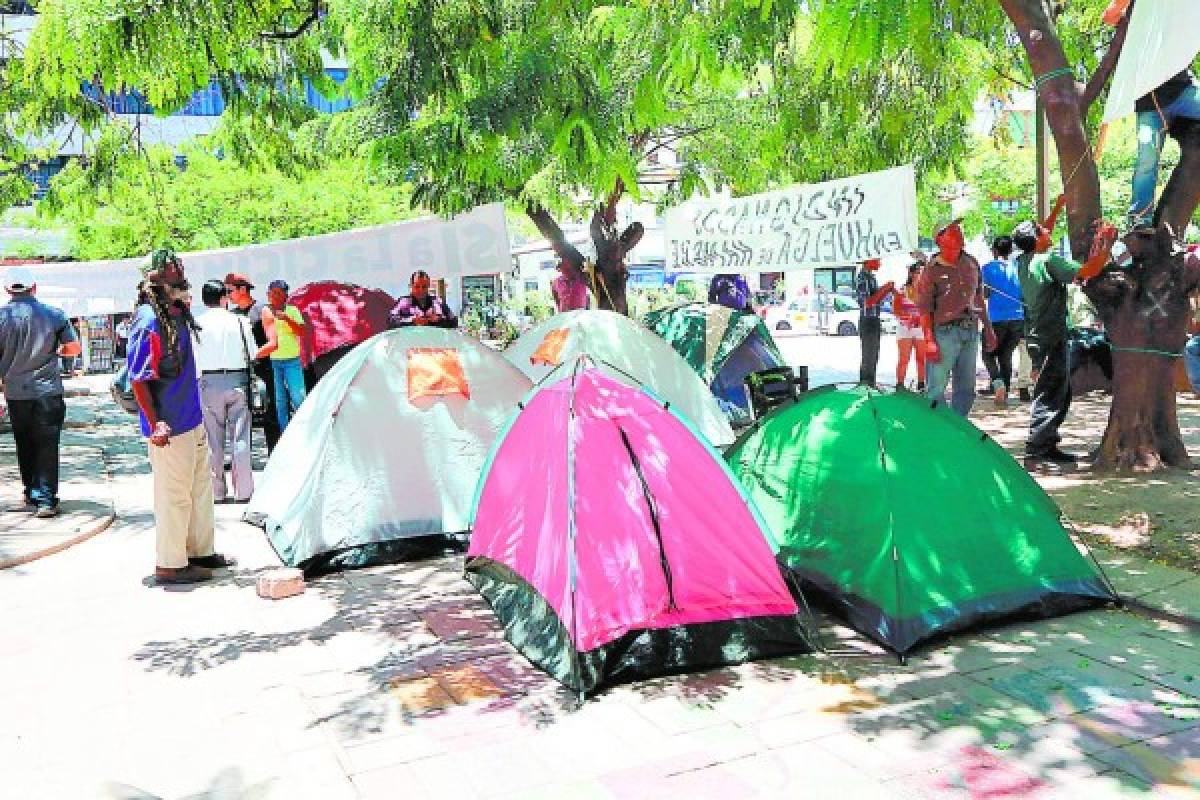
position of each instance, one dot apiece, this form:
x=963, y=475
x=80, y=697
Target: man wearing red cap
x=869, y=295
x=950, y=299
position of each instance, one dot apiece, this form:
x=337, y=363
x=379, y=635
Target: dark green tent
x=912, y=521
x=723, y=346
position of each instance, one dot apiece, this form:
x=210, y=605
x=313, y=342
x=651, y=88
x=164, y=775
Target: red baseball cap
x=238, y=279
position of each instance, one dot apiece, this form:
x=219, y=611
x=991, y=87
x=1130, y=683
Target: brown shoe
x=1001, y=397
x=190, y=574
x=215, y=561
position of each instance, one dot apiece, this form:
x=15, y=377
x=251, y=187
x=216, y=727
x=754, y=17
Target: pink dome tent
x=613, y=543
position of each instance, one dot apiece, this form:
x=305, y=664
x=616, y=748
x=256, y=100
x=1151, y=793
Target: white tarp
x=1163, y=40
x=383, y=257
x=802, y=227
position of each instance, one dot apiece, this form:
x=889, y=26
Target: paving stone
x=1171, y=764
x=421, y=695
x=672, y=715
x=1134, y=577
x=389, y=783
x=467, y=684
x=390, y=751
x=1179, y=600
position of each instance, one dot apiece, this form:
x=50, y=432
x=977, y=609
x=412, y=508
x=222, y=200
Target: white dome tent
x=627, y=351
x=381, y=457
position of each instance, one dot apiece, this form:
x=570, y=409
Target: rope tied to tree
x=1146, y=350
x=1061, y=72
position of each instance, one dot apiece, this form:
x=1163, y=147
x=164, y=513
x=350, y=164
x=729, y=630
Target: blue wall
x=209, y=102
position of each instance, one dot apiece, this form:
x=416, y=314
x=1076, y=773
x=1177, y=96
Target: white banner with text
x=381, y=257
x=805, y=226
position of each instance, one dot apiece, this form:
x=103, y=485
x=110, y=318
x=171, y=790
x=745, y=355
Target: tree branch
x=1181, y=195
x=675, y=137
x=548, y=227
x=1002, y=74
x=1060, y=97
x=1104, y=69
x=314, y=16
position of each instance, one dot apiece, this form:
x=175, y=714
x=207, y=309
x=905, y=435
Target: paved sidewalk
x=396, y=682
x=1151, y=588
x=86, y=499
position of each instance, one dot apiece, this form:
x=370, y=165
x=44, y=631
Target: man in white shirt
x=224, y=347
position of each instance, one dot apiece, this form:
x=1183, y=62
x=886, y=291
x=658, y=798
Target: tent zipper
x=650, y=505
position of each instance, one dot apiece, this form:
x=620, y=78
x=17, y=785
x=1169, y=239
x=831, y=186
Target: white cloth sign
x=383, y=257
x=1163, y=40
x=804, y=226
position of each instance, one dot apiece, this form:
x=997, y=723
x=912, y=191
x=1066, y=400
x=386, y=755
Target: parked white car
x=800, y=316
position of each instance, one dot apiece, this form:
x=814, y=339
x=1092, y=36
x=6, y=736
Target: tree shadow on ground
x=1020, y=709
x=228, y=784
x=1155, y=516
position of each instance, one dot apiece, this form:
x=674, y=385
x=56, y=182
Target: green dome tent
x=723, y=346
x=909, y=518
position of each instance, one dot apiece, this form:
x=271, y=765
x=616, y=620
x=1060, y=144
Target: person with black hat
x=869, y=295
x=162, y=372
x=289, y=328
x=1044, y=279
x=262, y=325
x=32, y=338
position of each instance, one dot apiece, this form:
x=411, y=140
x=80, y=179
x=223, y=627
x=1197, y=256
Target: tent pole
x=573, y=562
x=1092, y=555
x=816, y=629
x=888, y=498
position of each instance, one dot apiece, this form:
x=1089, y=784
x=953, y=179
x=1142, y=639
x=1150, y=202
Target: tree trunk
x=1144, y=308
x=611, y=275
x=1145, y=311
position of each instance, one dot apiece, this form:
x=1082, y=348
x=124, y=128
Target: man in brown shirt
x=950, y=299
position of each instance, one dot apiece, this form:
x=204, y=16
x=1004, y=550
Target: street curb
x=101, y=526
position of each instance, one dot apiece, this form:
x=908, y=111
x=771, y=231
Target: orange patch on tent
x=435, y=371
x=549, y=352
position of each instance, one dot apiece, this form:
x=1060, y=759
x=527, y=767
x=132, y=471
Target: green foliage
x=547, y=104
x=147, y=202
x=537, y=305
x=643, y=301
x=169, y=49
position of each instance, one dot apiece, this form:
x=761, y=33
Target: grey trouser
x=223, y=396
x=958, y=344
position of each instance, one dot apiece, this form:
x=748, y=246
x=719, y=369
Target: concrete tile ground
x=395, y=683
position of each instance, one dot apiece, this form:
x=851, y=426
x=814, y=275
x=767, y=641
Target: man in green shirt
x=1044, y=281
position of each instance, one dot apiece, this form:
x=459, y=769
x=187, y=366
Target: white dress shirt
x=223, y=341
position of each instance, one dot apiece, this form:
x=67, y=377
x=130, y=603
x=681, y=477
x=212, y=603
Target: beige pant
x=183, y=499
